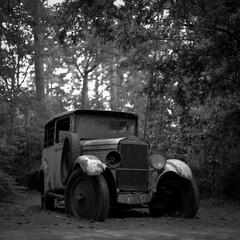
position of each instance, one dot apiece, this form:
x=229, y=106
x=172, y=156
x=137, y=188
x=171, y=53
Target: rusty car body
x=95, y=162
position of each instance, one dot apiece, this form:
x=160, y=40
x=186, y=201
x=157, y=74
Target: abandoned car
x=95, y=162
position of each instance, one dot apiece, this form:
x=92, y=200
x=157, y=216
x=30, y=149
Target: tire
x=87, y=197
x=176, y=197
x=71, y=151
x=47, y=202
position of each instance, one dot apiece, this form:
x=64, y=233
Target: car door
x=62, y=129
x=47, y=155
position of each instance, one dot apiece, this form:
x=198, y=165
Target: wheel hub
x=81, y=199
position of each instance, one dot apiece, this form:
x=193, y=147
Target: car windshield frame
x=104, y=126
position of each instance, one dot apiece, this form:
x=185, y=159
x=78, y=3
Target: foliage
x=231, y=179
x=22, y=116
x=22, y=152
x=15, y=55
x=190, y=51
x=21, y=140
x=7, y=185
x=176, y=63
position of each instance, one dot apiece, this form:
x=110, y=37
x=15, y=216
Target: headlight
x=113, y=159
x=158, y=161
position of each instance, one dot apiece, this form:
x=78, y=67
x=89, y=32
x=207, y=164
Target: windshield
x=98, y=126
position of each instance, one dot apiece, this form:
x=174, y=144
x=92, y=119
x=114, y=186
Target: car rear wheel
x=176, y=197
x=47, y=202
x=87, y=197
x=71, y=151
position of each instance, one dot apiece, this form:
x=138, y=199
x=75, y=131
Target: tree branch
x=25, y=73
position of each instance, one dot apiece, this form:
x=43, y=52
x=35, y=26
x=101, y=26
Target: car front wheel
x=86, y=196
x=175, y=197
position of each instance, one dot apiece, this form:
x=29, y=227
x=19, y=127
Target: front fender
x=90, y=165
x=172, y=166
x=179, y=167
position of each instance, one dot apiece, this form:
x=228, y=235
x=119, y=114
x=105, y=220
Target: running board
x=55, y=195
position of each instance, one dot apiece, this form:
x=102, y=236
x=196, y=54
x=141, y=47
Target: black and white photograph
x=120, y=119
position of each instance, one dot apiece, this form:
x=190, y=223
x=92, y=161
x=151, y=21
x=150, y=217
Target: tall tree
x=83, y=36
x=85, y=56
x=37, y=9
x=16, y=58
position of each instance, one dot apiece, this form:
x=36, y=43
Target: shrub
x=29, y=179
x=231, y=180
x=7, y=185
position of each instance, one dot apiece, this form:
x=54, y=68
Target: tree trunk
x=114, y=103
x=38, y=57
x=84, y=95
x=97, y=96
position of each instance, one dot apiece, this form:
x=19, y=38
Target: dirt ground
x=24, y=213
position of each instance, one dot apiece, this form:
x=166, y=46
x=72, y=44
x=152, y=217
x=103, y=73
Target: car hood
x=100, y=144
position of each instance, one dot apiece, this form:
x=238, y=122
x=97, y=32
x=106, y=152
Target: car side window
x=62, y=129
x=49, y=134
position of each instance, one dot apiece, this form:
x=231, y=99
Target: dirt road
x=22, y=218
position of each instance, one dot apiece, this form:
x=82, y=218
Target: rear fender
x=44, y=167
x=90, y=165
x=40, y=179
x=44, y=176
x=173, y=166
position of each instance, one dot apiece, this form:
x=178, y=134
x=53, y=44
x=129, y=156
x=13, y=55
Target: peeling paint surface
x=181, y=168
x=172, y=165
x=91, y=165
x=45, y=167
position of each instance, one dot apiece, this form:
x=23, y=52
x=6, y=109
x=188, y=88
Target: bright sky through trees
x=51, y=2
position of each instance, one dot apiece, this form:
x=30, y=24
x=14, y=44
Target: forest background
x=174, y=62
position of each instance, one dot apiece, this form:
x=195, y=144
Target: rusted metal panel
x=99, y=148
x=91, y=165
x=100, y=144
x=95, y=112
x=180, y=167
x=134, y=198
x=173, y=165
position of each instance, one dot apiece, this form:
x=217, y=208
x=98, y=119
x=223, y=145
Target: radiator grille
x=134, y=169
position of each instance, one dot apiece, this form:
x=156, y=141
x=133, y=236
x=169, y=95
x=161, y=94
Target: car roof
x=92, y=112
